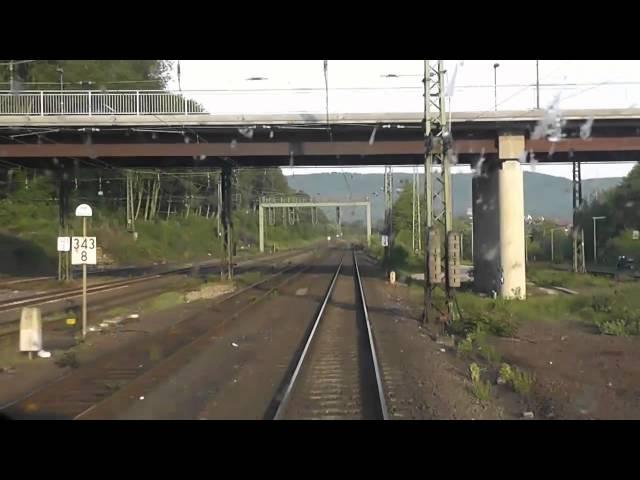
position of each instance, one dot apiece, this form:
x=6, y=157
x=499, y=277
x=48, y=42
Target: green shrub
x=481, y=389
x=520, y=381
x=621, y=322
x=602, y=303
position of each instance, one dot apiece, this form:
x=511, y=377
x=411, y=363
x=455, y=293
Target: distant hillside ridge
x=545, y=195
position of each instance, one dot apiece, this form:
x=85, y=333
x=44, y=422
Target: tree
x=88, y=74
x=620, y=207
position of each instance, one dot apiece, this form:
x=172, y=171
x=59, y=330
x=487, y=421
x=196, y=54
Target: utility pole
x=495, y=86
x=438, y=199
x=388, y=212
x=413, y=213
x=578, y=232
x=595, y=247
x=11, y=77
x=63, y=229
x=537, y=85
x=419, y=215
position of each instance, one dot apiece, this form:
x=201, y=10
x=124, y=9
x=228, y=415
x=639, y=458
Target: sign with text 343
x=83, y=250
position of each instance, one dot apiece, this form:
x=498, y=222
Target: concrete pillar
x=512, y=246
x=498, y=223
x=486, y=229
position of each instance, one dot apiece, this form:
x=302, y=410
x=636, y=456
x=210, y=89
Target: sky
x=358, y=86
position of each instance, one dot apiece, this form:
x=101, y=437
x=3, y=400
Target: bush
x=625, y=322
x=602, y=303
x=520, y=381
x=481, y=389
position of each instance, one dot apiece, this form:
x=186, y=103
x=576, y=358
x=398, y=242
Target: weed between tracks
x=520, y=381
x=481, y=389
x=69, y=359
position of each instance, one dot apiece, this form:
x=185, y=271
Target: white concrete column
x=512, y=246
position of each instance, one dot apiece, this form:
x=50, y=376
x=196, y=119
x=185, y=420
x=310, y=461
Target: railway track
x=337, y=375
x=71, y=293
x=107, y=385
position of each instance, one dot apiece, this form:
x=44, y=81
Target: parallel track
x=103, y=387
x=337, y=374
x=67, y=294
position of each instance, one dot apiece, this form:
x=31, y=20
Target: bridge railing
x=313, y=101
x=90, y=103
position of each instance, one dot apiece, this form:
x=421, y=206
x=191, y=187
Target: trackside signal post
x=83, y=252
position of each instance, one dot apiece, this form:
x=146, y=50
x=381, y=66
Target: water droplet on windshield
x=451, y=86
x=234, y=142
x=491, y=253
x=585, y=129
x=552, y=150
x=522, y=158
x=246, y=132
x=533, y=161
x=551, y=124
x=477, y=168
x=372, y=138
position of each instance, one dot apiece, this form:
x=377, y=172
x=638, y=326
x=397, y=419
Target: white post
x=84, y=284
x=552, y=230
x=41, y=103
x=595, y=248
x=368, y=224
x=472, y=240
x=137, y=102
x=90, y=102
x=261, y=227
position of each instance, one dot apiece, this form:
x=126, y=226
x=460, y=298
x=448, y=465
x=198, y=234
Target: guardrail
x=396, y=98
x=90, y=103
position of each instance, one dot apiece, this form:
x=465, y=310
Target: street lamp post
x=595, y=250
x=495, y=85
x=537, y=85
x=11, y=82
x=60, y=70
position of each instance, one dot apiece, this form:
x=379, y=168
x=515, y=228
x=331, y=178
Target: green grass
x=476, y=342
x=28, y=232
x=248, y=278
x=546, y=277
x=480, y=389
x=519, y=380
x=163, y=301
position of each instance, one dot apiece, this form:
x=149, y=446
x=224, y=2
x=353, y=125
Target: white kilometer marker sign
x=83, y=252
x=64, y=244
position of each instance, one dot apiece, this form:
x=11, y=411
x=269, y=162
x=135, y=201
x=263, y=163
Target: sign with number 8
x=83, y=250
